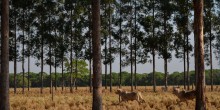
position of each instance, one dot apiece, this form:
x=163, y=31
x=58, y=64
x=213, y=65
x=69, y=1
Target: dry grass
x=82, y=100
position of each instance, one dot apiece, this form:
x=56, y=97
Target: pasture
x=81, y=99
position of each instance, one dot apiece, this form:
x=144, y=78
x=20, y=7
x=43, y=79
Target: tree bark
x=71, y=55
x=184, y=62
x=187, y=62
x=120, y=27
x=97, y=68
x=135, y=44
x=166, y=72
x=23, y=71
x=198, y=29
x=42, y=58
x=4, y=75
x=153, y=51
x=15, y=56
x=210, y=49
x=110, y=46
x=62, y=74
x=131, y=49
x=90, y=52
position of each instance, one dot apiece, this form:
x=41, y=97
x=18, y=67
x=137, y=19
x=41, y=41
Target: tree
x=181, y=40
x=4, y=75
x=79, y=66
x=96, y=47
x=165, y=47
x=209, y=35
x=199, y=51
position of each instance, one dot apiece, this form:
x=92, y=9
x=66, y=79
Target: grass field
x=81, y=99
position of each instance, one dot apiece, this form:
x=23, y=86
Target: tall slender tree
x=4, y=75
x=110, y=42
x=97, y=68
x=209, y=12
x=199, y=49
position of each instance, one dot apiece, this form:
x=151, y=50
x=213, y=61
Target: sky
x=173, y=65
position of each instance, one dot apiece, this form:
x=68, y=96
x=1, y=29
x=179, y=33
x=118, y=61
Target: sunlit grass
x=81, y=99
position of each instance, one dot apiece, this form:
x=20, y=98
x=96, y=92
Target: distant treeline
x=143, y=79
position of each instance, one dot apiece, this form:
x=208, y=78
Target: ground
x=81, y=99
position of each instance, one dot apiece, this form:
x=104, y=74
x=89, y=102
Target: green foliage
x=81, y=67
x=143, y=79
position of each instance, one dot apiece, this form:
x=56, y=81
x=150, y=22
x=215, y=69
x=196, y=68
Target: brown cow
x=126, y=96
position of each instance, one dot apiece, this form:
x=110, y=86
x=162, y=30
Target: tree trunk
x=42, y=58
x=210, y=49
x=187, y=59
x=50, y=58
x=106, y=66
x=76, y=70
x=97, y=68
x=187, y=44
x=135, y=44
x=153, y=52
x=110, y=46
x=184, y=62
x=15, y=56
x=90, y=53
x=131, y=49
x=28, y=60
x=62, y=74
x=23, y=53
x=55, y=75
x=106, y=52
x=198, y=29
x=120, y=75
x=71, y=56
x=166, y=72
x=4, y=75
x=154, y=78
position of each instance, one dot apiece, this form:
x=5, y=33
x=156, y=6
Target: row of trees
x=135, y=31
x=50, y=30
x=143, y=79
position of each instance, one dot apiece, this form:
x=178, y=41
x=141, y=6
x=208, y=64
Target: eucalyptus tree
x=209, y=14
x=104, y=37
x=69, y=6
x=14, y=51
x=110, y=40
x=61, y=28
x=181, y=40
x=120, y=34
x=79, y=35
x=51, y=7
x=40, y=25
x=62, y=44
x=150, y=24
x=22, y=37
x=4, y=75
x=199, y=51
x=30, y=16
x=88, y=46
x=165, y=12
x=217, y=29
x=96, y=47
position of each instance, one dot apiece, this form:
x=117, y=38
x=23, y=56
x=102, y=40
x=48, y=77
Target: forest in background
x=143, y=79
